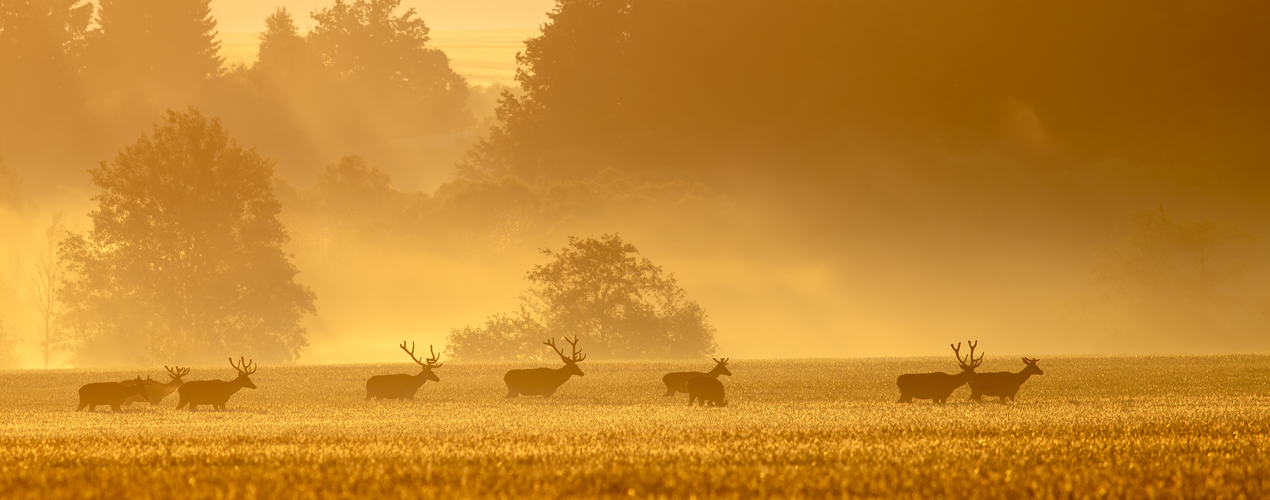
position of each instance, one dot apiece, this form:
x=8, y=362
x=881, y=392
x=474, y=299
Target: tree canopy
x=184, y=260
x=598, y=289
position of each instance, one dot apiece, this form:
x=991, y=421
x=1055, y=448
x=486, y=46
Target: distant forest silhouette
x=923, y=152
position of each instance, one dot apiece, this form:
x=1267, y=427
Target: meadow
x=1091, y=427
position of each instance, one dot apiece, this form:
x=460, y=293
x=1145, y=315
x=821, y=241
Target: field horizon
x=1141, y=426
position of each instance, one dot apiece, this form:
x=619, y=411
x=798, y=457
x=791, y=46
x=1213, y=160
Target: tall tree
x=9, y=342
x=600, y=289
x=384, y=59
x=155, y=52
x=184, y=259
x=41, y=50
x=49, y=279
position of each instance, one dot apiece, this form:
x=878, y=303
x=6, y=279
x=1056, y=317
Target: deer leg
x=511, y=393
x=905, y=398
x=82, y=405
x=92, y=407
x=669, y=391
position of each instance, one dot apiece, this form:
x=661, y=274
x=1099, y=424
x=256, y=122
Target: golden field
x=1091, y=427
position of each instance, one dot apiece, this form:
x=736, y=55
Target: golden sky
x=237, y=16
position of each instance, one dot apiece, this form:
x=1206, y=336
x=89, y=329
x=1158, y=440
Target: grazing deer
x=1003, y=384
x=216, y=392
x=545, y=381
x=157, y=391
x=706, y=389
x=677, y=382
x=939, y=385
x=402, y=386
x=110, y=393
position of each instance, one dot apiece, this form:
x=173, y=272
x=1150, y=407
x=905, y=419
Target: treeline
x=81, y=78
x=704, y=87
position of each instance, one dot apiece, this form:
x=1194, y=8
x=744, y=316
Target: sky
x=240, y=16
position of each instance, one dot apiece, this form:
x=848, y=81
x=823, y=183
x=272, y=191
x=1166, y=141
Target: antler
x=969, y=361
x=574, y=343
x=411, y=352
x=1030, y=361
x=974, y=362
x=432, y=362
x=178, y=372
x=723, y=361
x=575, y=357
x=243, y=367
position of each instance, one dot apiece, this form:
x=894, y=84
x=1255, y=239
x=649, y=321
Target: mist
x=833, y=179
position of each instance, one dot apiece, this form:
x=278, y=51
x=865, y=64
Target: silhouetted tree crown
x=648, y=84
x=184, y=259
x=599, y=290
x=167, y=45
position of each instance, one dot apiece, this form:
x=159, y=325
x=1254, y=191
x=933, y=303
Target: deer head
x=1031, y=366
x=969, y=363
x=177, y=372
x=722, y=367
x=427, y=365
x=571, y=361
x=140, y=385
x=244, y=369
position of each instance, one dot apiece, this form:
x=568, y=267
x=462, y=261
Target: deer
x=677, y=381
x=545, y=381
x=1003, y=384
x=110, y=393
x=216, y=392
x=402, y=386
x=159, y=391
x=939, y=385
x=706, y=389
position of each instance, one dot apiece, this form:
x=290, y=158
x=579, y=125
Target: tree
x=1165, y=278
x=48, y=281
x=385, y=63
x=625, y=307
x=184, y=259
x=151, y=51
x=41, y=51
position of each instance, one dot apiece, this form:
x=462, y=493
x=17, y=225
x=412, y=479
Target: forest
x=856, y=177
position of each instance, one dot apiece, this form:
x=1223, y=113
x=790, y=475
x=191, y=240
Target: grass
x=1123, y=427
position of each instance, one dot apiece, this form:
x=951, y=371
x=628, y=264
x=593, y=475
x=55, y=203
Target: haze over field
x=823, y=179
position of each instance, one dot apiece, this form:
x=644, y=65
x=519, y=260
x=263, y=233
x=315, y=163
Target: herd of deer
x=702, y=387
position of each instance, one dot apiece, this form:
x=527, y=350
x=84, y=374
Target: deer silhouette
x=402, y=386
x=545, y=381
x=705, y=389
x=157, y=391
x=216, y=392
x=677, y=381
x=1003, y=384
x=110, y=393
x=939, y=385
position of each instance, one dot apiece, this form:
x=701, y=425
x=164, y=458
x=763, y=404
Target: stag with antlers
x=216, y=392
x=157, y=391
x=677, y=381
x=110, y=393
x=402, y=386
x=545, y=381
x=939, y=385
x=1003, y=384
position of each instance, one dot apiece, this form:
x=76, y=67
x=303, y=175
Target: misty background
x=825, y=178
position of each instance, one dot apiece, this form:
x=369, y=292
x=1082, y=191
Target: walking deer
x=939, y=385
x=402, y=386
x=110, y=393
x=157, y=391
x=706, y=389
x=216, y=392
x=677, y=381
x=545, y=381
x=1003, y=384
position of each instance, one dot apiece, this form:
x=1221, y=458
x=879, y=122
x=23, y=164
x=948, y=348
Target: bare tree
x=49, y=280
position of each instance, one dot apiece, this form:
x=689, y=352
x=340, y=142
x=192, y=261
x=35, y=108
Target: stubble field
x=1119, y=427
